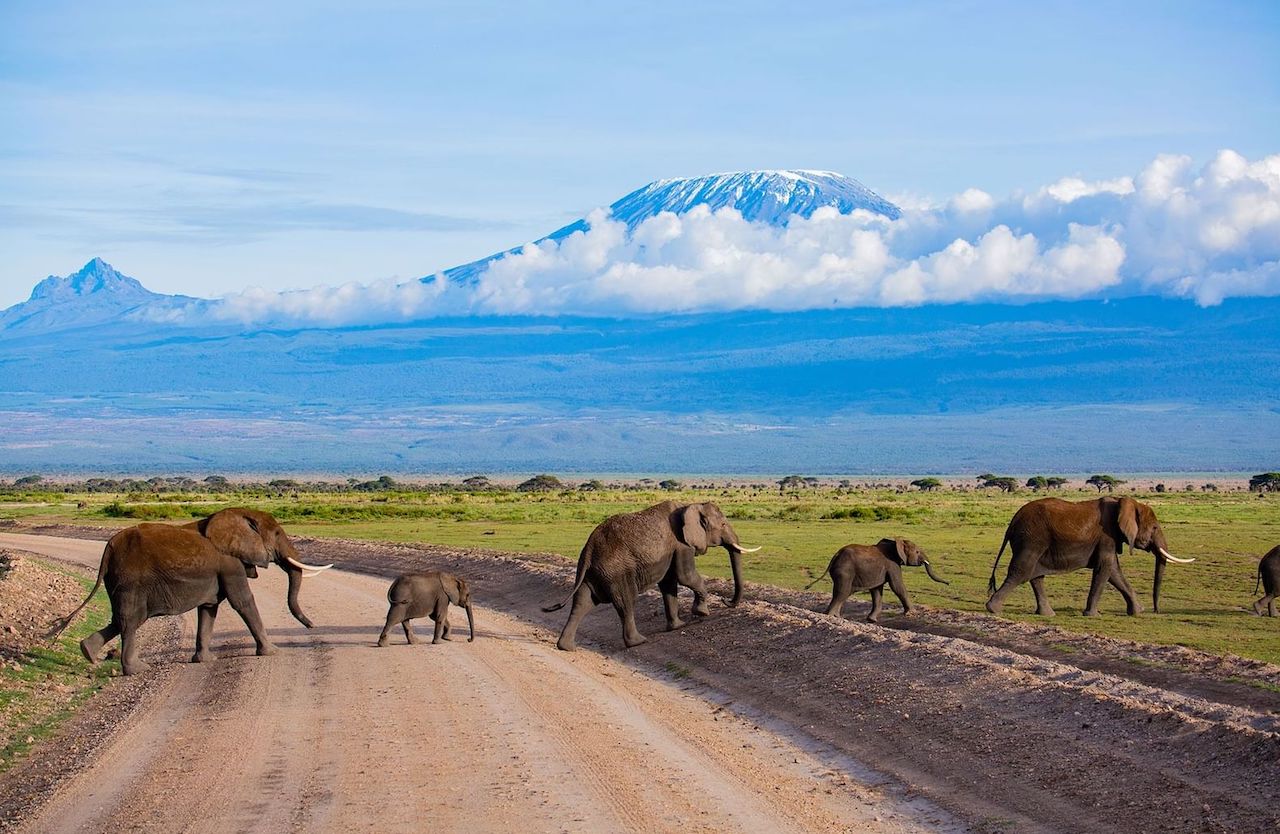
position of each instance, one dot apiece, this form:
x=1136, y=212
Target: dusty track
x=1002, y=738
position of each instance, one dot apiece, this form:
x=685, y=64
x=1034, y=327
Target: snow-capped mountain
x=94, y=294
x=761, y=196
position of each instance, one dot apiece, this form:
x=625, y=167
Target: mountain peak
x=97, y=276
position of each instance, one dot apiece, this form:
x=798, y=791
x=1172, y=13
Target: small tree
x=1266, y=482
x=594, y=485
x=926, y=484
x=1002, y=483
x=541, y=483
x=476, y=482
x=1107, y=482
x=1038, y=482
x=1209, y=488
x=670, y=485
x=1055, y=482
x=28, y=480
x=793, y=482
x=1160, y=488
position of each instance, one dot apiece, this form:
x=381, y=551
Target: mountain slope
x=760, y=196
x=97, y=293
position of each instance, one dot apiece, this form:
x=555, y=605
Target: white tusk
x=1166, y=554
x=303, y=567
x=749, y=549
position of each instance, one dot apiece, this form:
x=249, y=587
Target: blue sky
x=207, y=147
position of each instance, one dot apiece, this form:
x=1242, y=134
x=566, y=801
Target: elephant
x=627, y=553
x=256, y=538
x=868, y=567
x=153, y=570
x=428, y=594
x=1051, y=535
x=1269, y=579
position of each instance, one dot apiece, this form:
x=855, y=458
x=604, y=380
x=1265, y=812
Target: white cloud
x=1172, y=230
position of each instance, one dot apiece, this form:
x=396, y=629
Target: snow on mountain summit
x=97, y=276
x=771, y=197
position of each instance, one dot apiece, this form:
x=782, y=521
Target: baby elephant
x=1269, y=579
x=426, y=595
x=867, y=567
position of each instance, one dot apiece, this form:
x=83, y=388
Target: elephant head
x=257, y=540
x=459, y=594
x=909, y=554
x=1136, y=525
x=701, y=526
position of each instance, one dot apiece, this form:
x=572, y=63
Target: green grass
x=1206, y=604
x=60, y=663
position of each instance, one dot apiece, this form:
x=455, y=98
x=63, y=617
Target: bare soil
x=765, y=716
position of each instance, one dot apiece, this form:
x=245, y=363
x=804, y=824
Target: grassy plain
x=1206, y=604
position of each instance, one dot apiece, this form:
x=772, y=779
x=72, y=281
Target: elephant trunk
x=1155, y=585
x=471, y=621
x=737, y=576
x=928, y=568
x=295, y=584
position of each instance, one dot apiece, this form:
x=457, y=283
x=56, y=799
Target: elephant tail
x=1258, y=582
x=821, y=577
x=60, y=625
x=991, y=583
x=584, y=562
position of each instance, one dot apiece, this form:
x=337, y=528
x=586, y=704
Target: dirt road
x=506, y=733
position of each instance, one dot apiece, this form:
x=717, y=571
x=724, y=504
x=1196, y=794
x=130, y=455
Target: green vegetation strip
x=33, y=716
x=1206, y=605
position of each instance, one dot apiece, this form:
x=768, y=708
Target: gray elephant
x=153, y=570
x=256, y=538
x=868, y=567
x=1269, y=579
x=627, y=553
x=428, y=594
x=1054, y=536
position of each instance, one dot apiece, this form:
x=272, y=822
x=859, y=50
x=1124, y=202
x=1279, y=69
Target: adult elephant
x=1055, y=536
x=628, y=553
x=153, y=570
x=257, y=539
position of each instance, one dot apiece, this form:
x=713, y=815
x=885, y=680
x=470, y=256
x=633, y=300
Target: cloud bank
x=1173, y=230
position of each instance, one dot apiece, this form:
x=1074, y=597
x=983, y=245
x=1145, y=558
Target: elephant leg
x=1016, y=576
x=582, y=603
x=133, y=617
x=899, y=589
x=241, y=599
x=840, y=591
x=877, y=596
x=447, y=627
x=687, y=575
x=395, y=615
x=625, y=604
x=1121, y=584
x=440, y=617
x=92, y=645
x=1043, y=608
x=1101, y=575
x=670, y=588
x=409, y=636
x=205, y=615
x=1268, y=603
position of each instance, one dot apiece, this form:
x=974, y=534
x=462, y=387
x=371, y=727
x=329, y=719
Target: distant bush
x=541, y=483
x=926, y=484
x=880, y=512
x=1266, y=482
x=154, y=512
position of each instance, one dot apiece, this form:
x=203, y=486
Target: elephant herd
x=156, y=569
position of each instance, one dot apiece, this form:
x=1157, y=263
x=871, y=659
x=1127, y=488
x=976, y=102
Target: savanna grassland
x=1206, y=605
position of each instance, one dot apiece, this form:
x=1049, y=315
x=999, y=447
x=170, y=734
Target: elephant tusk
x=749, y=549
x=302, y=567
x=1166, y=554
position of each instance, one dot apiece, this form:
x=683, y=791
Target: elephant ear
x=453, y=588
x=1127, y=521
x=236, y=534
x=691, y=531
x=895, y=549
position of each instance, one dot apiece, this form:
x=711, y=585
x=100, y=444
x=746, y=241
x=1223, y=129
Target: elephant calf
x=868, y=567
x=1269, y=579
x=415, y=595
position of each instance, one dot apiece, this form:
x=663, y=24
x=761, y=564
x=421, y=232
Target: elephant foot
x=994, y=608
x=637, y=640
x=203, y=657
x=672, y=625
x=137, y=667
x=435, y=640
x=873, y=620
x=382, y=643
x=566, y=645
x=1089, y=612
x=701, y=609
x=1257, y=609
x=1046, y=612
x=266, y=650
x=1136, y=610
x=90, y=649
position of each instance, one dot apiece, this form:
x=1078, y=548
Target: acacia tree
x=1266, y=482
x=926, y=484
x=1107, y=482
x=1002, y=483
x=1038, y=482
x=1054, y=482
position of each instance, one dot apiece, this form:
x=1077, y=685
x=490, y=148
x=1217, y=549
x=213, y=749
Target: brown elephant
x=154, y=570
x=428, y=594
x=256, y=538
x=1269, y=579
x=1054, y=536
x=627, y=553
x=868, y=567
